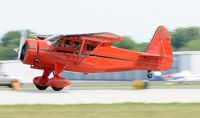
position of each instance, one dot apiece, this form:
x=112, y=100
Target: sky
x=136, y=18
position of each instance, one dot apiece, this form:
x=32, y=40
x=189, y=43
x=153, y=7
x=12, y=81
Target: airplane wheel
x=41, y=87
x=56, y=89
x=149, y=74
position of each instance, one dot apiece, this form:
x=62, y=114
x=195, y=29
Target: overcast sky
x=136, y=18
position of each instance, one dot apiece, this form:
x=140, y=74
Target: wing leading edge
x=104, y=37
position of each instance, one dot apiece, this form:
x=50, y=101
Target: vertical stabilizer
x=160, y=44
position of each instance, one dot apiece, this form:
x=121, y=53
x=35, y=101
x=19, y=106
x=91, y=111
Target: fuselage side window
x=68, y=43
x=90, y=47
x=77, y=45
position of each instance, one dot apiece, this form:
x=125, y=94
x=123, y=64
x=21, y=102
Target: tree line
x=183, y=39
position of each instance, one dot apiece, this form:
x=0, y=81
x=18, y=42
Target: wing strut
x=83, y=43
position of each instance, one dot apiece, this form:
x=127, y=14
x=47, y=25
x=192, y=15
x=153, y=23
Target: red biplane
x=91, y=53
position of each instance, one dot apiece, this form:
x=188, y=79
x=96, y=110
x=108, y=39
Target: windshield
x=53, y=39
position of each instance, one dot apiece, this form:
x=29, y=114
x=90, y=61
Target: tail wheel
x=41, y=87
x=56, y=89
x=149, y=75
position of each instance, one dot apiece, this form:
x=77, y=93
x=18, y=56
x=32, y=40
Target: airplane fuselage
x=92, y=53
x=105, y=58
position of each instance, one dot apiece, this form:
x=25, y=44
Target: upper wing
x=41, y=36
x=104, y=37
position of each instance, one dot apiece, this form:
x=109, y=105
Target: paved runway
x=31, y=96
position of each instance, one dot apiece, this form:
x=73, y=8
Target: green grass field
x=126, y=110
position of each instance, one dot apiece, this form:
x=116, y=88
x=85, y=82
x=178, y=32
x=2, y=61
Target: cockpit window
x=68, y=43
x=58, y=43
x=90, y=47
x=55, y=40
x=77, y=45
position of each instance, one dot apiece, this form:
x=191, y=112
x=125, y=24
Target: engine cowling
x=29, y=52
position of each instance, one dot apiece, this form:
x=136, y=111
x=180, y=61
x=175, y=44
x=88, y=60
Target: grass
x=126, y=110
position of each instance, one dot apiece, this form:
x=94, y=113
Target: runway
x=33, y=96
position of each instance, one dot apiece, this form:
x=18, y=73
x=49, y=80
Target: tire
x=56, y=89
x=149, y=75
x=41, y=87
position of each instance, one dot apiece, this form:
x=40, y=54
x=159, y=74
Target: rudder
x=160, y=44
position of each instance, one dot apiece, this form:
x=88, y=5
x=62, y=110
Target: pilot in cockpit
x=67, y=44
x=59, y=42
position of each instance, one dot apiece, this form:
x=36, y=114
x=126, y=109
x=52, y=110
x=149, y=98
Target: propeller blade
x=22, y=42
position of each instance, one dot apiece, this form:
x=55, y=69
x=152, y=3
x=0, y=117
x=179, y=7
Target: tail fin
x=160, y=44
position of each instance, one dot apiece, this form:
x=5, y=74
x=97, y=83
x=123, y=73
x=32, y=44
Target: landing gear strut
x=149, y=75
x=58, y=83
x=41, y=82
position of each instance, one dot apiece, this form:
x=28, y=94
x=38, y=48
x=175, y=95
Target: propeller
x=21, y=47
